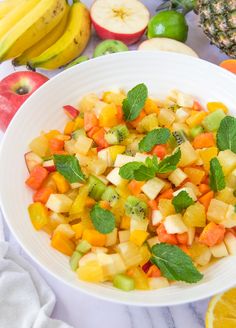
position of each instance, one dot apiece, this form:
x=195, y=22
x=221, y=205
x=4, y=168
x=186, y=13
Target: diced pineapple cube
x=115, y=151
x=230, y=243
x=140, y=279
x=219, y=250
x=191, y=235
x=83, y=144
x=184, y=100
x=217, y=211
x=200, y=253
x=145, y=253
x=91, y=272
x=97, y=250
x=111, y=238
x=153, y=241
x=206, y=154
x=166, y=207
x=177, y=177
x=174, y=224
x=153, y=187
x=88, y=102
x=83, y=160
x=157, y=217
x=148, y=123
x=189, y=191
x=123, y=159
x=226, y=195
x=227, y=160
x=231, y=179
x=118, y=263
x=130, y=253
x=56, y=219
x=138, y=237
x=196, y=118
x=230, y=219
x=107, y=264
x=157, y=283
x=124, y=235
x=59, y=203
x=111, y=97
x=195, y=216
x=114, y=176
x=89, y=257
x=138, y=224
x=97, y=166
x=40, y=146
x=69, y=146
x=188, y=154
x=166, y=117
x=65, y=229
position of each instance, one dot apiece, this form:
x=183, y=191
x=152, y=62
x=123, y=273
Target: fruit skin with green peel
x=96, y=187
x=135, y=208
x=168, y=24
x=109, y=47
x=117, y=134
x=110, y=195
x=77, y=61
x=123, y=282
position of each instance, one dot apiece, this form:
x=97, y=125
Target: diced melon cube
x=230, y=243
x=174, y=224
x=130, y=253
x=206, y=154
x=177, y=177
x=153, y=187
x=59, y=203
x=157, y=283
x=166, y=117
x=114, y=176
x=124, y=235
x=166, y=207
x=138, y=224
x=111, y=238
x=195, y=216
x=157, y=217
x=212, y=120
x=219, y=250
x=188, y=154
x=200, y=253
x=191, y=235
x=184, y=100
x=123, y=159
x=227, y=160
x=83, y=144
x=153, y=241
x=189, y=191
x=105, y=155
x=217, y=211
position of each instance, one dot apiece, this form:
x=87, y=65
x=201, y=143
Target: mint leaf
x=155, y=137
x=103, y=220
x=127, y=170
x=182, y=201
x=216, y=175
x=169, y=163
x=226, y=134
x=134, y=102
x=68, y=166
x=174, y=263
x=144, y=173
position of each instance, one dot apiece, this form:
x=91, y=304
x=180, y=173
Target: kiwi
x=135, y=208
x=77, y=133
x=96, y=187
x=180, y=137
x=117, y=134
x=77, y=61
x=109, y=47
x=110, y=195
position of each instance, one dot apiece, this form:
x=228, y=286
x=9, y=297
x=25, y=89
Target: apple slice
x=32, y=160
x=124, y=20
x=71, y=111
x=165, y=44
x=49, y=165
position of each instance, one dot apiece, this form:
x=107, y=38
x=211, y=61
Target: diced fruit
x=114, y=177
x=43, y=194
x=165, y=237
x=108, y=116
x=91, y=272
x=115, y=151
x=96, y=187
x=148, y=123
x=177, y=177
x=125, y=222
x=174, y=224
x=71, y=111
x=196, y=118
x=118, y=264
x=113, y=97
x=184, y=100
x=105, y=155
x=88, y=102
x=138, y=237
x=94, y=237
x=83, y=144
x=56, y=219
x=83, y=247
x=151, y=106
x=217, y=211
x=78, y=230
x=74, y=260
x=227, y=160
x=140, y=278
x=61, y=183
x=212, y=121
x=195, y=175
x=213, y=106
x=179, y=138
x=191, y=235
x=166, y=207
x=206, y=155
x=226, y=195
x=195, y=216
x=49, y=165
x=219, y=250
x=90, y=121
x=189, y=191
x=231, y=179
x=157, y=283
x=59, y=203
x=37, y=176
x=230, y=219
x=204, y=140
x=195, y=131
x=40, y=146
x=166, y=117
x=145, y=253
x=212, y=234
x=130, y=253
x=62, y=243
x=123, y=159
x=200, y=253
x=153, y=241
x=157, y=217
x=205, y=200
x=96, y=166
x=111, y=238
x=138, y=224
x=123, y=282
x=153, y=187
x=124, y=236
x=32, y=160
x=117, y=134
x=188, y=154
x=38, y=215
x=110, y=195
x=135, y=208
x=181, y=115
x=230, y=242
x=80, y=202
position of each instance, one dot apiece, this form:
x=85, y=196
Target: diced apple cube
x=32, y=160
x=157, y=283
x=189, y=191
x=194, y=188
x=217, y=211
x=175, y=224
x=227, y=160
x=219, y=250
x=153, y=241
x=157, y=217
x=123, y=159
x=138, y=224
x=181, y=114
x=83, y=145
x=191, y=235
x=230, y=243
x=153, y=187
x=184, y=100
x=105, y=155
x=111, y=238
x=177, y=177
x=114, y=176
x=124, y=236
x=59, y=203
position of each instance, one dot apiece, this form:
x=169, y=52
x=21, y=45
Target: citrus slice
x=221, y=310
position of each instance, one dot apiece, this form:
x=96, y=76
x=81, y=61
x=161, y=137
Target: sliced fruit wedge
x=165, y=44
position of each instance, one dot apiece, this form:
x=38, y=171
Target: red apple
x=14, y=90
x=71, y=111
x=124, y=20
x=49, y=165
x=32, y=160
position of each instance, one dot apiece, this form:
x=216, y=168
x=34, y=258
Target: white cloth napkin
x=26, y=301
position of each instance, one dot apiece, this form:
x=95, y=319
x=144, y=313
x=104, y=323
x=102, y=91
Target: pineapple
x=217, y=19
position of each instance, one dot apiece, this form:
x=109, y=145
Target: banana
x=41, y=19
x=7, y=6
x=72, y=42
x=43, y=44
x=16, y=14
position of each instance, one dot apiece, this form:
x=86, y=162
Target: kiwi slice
x=135, y=208
x=110, y=195
x=109, y=47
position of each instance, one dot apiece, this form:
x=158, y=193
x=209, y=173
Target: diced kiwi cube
x=123, y=282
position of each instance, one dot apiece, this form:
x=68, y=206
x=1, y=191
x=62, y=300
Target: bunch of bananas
x=43, y=33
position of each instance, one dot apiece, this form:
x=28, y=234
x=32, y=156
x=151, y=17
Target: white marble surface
x=84, y=311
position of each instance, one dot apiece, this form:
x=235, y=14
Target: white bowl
x=43, y=111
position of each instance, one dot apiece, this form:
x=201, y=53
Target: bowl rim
x=59, y=76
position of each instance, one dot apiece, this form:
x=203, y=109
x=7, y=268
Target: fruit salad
x=137, y=192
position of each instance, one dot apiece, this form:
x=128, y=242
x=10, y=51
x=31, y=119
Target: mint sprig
x=169, y=163
x=155, y=137
x=182, y=201
x=134, y=102
x=226, y=134
x=174, y=263
x=103, y=220
x=216, y=175
x=68, y=166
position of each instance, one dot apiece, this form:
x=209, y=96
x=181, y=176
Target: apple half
x=124, y=20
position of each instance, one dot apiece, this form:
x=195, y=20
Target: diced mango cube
x=61, y=183
x=195, y=175
x=206, y=154
x=138, y=237
x=108, y=116
x=94, y=237
x=213, y=106
x=62, y=243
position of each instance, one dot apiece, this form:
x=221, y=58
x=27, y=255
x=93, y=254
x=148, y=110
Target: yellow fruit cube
x=166, y=207
x=78, y=229
x=113, y=97
x=140, y=278
x=188, y=154
x=227, y=160
x=206, y=154
x=91, y=272
x=144, y=251
x=115, y=150
x=40, y=146
x=217, y=211
x=125, y=223
x=69, y=127
x=196, y=118
x=88, y=102
x=130, y=253
x=138, y=237
x=38, y=215
x=79, y=123
x=195, y=216
x=195, y=175
x=151, y=107
x=213, y=106
x=200, y=253
x=94, y=237
x=166, y=117
x=61, y=183
x=226, y=195
x=108, y=116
